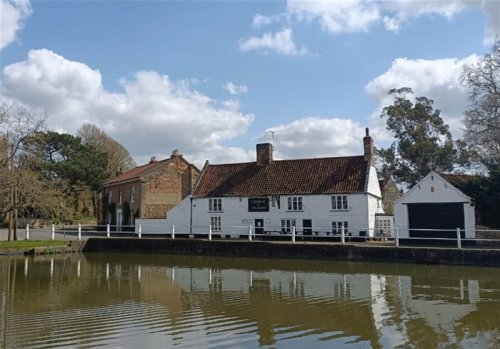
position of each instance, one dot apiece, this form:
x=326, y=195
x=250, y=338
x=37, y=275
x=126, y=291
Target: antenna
x=272, y=135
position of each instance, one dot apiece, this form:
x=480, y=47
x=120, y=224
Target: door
x=259, y=227
x=307, y=226
x=437, y=220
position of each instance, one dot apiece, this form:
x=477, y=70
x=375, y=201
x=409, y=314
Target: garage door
x=435, y=217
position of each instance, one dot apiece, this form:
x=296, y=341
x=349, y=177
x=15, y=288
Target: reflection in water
x=130, y=301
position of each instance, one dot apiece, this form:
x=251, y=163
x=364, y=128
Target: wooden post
x=27, y=231
x=108, y=231
x=173, y=232
x=79, y=231
x=53, y=232
x=459, y=239
x=342, y=235
x=250, y=233
x=140, y=231
x=396, y=236
x=210, y=233
x=293, y=234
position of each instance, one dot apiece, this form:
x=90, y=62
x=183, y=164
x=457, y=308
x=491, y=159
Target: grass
x=26, y=245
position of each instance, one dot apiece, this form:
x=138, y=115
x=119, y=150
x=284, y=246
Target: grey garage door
x=433, y=217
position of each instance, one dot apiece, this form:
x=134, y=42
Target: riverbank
x=299, y=250
x=39, y=247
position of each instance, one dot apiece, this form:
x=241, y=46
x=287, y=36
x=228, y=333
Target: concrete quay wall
x=300, y=250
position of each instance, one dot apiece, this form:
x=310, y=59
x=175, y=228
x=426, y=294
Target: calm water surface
x=156, y=301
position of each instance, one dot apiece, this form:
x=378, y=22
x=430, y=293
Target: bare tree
x=119, y=158
x=17, y=125
x=482, y=117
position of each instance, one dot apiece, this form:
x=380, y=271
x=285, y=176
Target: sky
x=213, y=78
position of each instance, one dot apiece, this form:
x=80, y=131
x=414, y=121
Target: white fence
x=422, y=237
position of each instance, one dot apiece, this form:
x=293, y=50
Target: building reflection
x=376, y=306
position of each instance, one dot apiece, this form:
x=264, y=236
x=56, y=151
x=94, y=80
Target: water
x=157, y=301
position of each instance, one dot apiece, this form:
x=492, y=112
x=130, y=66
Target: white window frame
x=337, y=227
x=340, y=203
x=287, y=224
x=215, y=223
x=215, y=205
x=295, y=203
x=132, y=194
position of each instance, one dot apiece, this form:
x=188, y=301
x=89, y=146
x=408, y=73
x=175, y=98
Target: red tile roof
x=136, y=172
x=307, y=176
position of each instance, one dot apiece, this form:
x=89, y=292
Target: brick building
x=148, y=191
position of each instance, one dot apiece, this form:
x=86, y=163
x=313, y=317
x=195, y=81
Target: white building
x=434, y=209
x=318, y=196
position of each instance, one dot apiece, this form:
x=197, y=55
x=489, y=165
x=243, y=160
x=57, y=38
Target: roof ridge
x=285, y=160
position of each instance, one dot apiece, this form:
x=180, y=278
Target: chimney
x=369, y=152
x=175, y=153
x=264, y=154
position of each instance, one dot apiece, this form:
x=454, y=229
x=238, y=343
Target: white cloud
x=435, y=79
x=12, y=16
x=235, y=89
x=281, y=42
x=347, y=16
x=316, y=137
x=337, y=16
x=492, y=10
x=398, y=13
x=152, y=116
x=261, y=20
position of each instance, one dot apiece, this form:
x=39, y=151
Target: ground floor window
x=215, y=223
x=286, y=225
x=337, y=227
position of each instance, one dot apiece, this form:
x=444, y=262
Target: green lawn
x=25, y=245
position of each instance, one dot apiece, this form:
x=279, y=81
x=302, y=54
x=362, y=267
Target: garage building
x=434, y=209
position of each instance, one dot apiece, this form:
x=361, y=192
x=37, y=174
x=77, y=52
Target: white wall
x=374, y=200
x=235, y=217
x=432, y=189
x=236, y=220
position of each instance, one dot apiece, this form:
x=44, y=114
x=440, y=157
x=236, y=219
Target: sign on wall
x=258, y=205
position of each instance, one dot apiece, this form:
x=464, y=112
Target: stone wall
x=241, y=248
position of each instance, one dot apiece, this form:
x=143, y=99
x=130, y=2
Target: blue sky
x=212, y=78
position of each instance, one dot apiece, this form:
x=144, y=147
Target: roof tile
x=136, y=172
x=282, y=177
